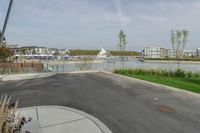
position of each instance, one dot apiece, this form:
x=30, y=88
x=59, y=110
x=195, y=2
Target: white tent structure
x=102, y=53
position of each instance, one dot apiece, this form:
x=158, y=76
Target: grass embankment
x=178, y=79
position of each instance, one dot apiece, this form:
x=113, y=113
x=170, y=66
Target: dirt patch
x=166, y=109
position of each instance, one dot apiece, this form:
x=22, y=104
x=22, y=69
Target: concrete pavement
x=124, y=105
x=58, y=119
x=26, y=76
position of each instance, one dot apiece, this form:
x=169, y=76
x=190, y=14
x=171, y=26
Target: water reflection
x=112, y=64
x=84, y=64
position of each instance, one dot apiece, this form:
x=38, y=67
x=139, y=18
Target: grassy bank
x=187, y=81
x=174, y=59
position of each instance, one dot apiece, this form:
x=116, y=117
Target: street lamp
x=6, y=22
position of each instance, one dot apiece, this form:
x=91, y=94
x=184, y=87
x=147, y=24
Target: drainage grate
x=166, y=109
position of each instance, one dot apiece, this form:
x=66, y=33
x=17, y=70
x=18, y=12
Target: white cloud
x=53, y=21
x=153, y=19
x=121, y=17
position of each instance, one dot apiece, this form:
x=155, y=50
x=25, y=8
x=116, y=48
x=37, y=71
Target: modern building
x=198, y=52
x=29, y=50
x=64, y=51
x=189, y=53
x=155, y=52
x=36, y=52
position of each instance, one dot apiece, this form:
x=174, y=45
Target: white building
x=155, y=52
x=189, y=53
x=102, y=53
x=198, y=52
x=28, y=50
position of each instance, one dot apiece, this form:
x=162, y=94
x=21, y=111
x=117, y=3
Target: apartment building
x=36, y=50
x=29, y=50
x=198, y=52
x=189, y=53
x=155, y=52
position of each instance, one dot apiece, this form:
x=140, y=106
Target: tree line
x=95, y=52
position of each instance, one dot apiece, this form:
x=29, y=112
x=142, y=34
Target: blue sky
x=92, y=24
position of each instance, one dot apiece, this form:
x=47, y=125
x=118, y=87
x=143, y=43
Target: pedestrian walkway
x=57, y=119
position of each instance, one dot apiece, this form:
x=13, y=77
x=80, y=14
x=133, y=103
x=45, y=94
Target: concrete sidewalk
x=27, y=76
x=58, y=119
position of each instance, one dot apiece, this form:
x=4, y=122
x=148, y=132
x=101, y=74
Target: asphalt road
x=124, y=105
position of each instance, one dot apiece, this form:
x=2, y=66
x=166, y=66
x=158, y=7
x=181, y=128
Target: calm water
x=72, y=66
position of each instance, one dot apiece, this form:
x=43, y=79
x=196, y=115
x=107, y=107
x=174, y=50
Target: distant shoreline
x=172, y=61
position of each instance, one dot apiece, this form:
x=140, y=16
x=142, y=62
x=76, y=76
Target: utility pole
x=6, y=22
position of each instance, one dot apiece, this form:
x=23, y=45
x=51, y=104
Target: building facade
x=198, y=52
x=30, y=50
x=155, y=52
x=189, y=53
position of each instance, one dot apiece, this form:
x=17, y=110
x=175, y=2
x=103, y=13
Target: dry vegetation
x=9, y=121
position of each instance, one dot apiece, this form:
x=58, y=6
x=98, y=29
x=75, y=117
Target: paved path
x=124, y=105
x=58, y=119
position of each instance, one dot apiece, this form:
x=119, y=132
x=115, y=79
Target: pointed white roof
x=103, y=52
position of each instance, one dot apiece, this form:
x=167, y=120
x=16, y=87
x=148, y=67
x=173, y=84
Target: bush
x=165, y=73
x=189, y=74
x=9, y=121
x=197, y=75
x=171, y=74
x=5, y=53
x=179, y=73
x=159, y=72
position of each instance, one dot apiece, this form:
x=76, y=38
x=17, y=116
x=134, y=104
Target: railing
x=61, y=66
x=9, y=68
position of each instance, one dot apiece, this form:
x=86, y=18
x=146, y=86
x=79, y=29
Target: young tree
x=122, y=45
x=122, y=41
x=179, y=40
x=5, y=53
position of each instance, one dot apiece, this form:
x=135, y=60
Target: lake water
x=110, y=65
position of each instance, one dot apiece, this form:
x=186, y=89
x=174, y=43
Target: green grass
x=189, y=84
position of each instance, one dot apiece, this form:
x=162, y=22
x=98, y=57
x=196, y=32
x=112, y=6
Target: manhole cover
x=166, y=109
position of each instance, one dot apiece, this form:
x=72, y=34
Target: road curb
x=97, y=122
x=16, y=77
x=155, y=84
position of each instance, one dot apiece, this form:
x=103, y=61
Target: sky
x=95, y=24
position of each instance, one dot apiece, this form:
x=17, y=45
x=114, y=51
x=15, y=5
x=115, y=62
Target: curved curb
x=97, y=122
x=1, y=77
x=26, y=76
x=15, y=77
x=155, y=84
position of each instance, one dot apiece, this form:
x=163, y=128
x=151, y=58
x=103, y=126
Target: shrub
x=165, y=73
x=197, y=75
x=159, y=72
x=189, y=74
x=151, y=72
x=179, y=73
x=171, y=74
x=5, y=53
x=10, y=122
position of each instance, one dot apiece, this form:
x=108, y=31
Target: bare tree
x=122, y=41
x=179, y=40
x=122, y=45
